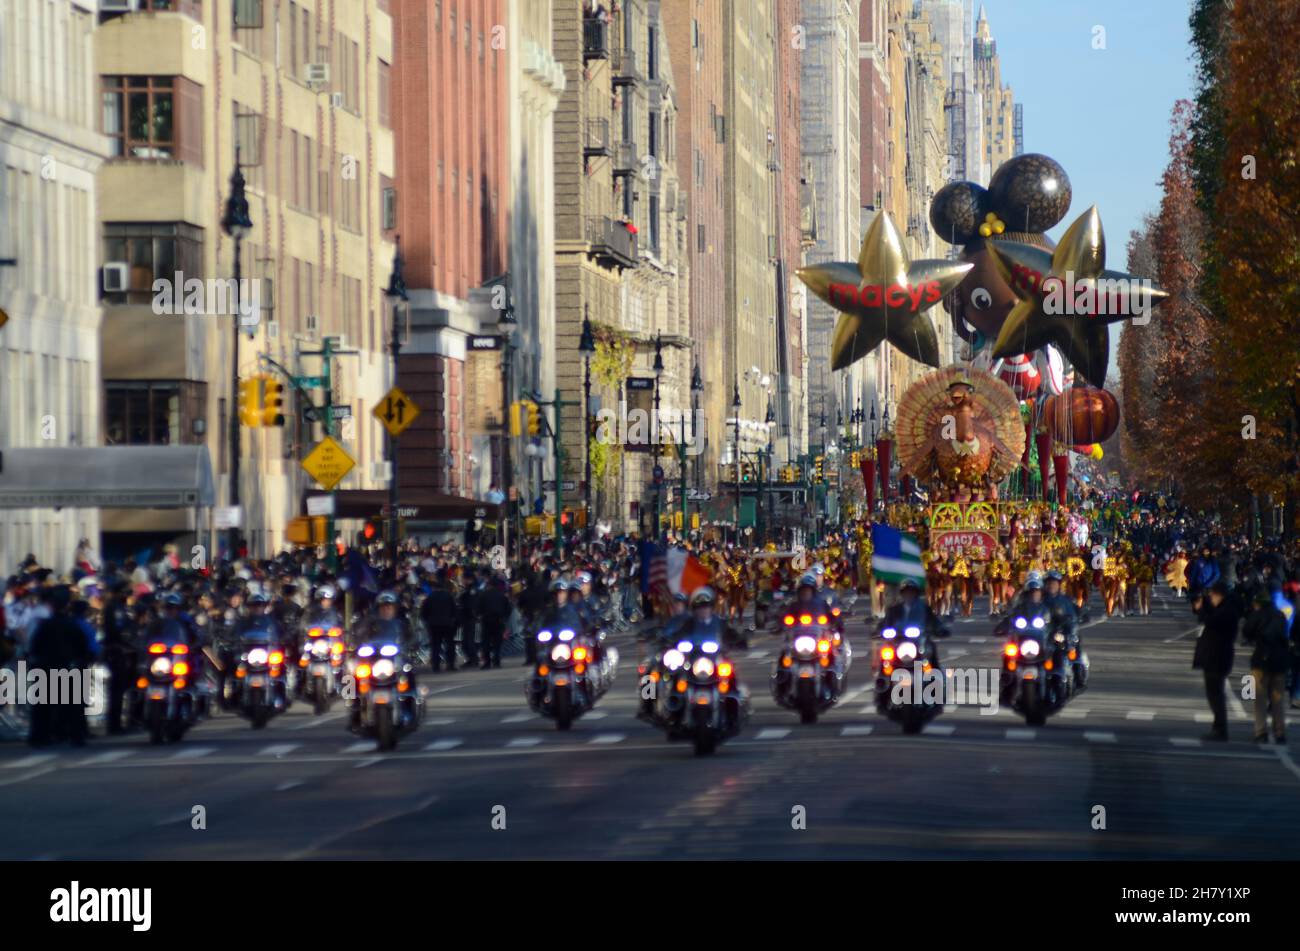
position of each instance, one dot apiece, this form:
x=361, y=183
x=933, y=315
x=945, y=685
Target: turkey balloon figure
x=959, y=430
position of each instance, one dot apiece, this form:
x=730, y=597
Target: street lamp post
x=764, y=464
x=395, y=292
x=735, y=411
x=236, y=223
x=586, y=346
x=659, y=372
x=506, y=327
x=697, y=386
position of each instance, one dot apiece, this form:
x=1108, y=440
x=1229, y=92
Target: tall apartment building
x=830, y=122
x=874, y=117
x=951, y=23
x=996, y=100
x=620, y=228
x=50, y=152
x=451, y=79
x=301, y=90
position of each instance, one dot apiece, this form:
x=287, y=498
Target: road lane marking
x=1099, y=736
x=368, y=761
x=439, y=721
x=291, y=784
x=518, y=717
x=1074, y=713
x=863, y=730
x=317, y=720
x=438, y=746
x=278, y=749
x=1184, y=741
x=523, y=741
x=110, y=757
x=607, y=738
x=194, y=752
x=595, y=715
x=1021, y=733
x=363, y=747
x=939, y=729
x=773, y=733
x=34, y=759
x=1140, y=715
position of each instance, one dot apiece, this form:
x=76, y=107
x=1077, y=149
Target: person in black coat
x=440, y=615
x=58, y=644
x=493, y=612
x=1221, y=614
x=1265, y=630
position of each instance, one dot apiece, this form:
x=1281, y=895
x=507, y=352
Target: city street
x=972, y=787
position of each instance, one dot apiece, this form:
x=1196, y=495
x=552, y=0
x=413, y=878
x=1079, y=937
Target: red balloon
x=1082, y=415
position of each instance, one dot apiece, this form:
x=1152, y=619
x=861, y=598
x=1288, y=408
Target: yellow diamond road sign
x=328, y=463
x=4, y=318
x=396, y=412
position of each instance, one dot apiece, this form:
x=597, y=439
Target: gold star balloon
x=883, y=296
x=1068, y=298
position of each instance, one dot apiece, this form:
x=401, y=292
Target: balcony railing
x=596, y=139
x=595, y=39
x=611, y=241
x=624, y=67
x=626, y=158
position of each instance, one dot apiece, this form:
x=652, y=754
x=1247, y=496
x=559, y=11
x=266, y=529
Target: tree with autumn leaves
x=1218, y=363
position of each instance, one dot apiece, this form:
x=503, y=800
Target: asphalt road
x=972, y=786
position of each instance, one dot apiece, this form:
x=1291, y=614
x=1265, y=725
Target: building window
x=152, y=412
x=153, y=117
x=385, y=95
x=151, y=252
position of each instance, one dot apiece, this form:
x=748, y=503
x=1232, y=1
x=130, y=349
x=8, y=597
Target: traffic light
x=516, y=423
x=371, y=531
x=272, y=402
x=534, y=418
x=747, y=471
x=819, y=469
x=855, y=460
x=250, y=401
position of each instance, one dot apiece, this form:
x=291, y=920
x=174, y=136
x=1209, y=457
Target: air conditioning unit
x=337, y=100
x=118, y=6
x=381, y=471
x=317, y=74
x=313, y=324
x=116, y=277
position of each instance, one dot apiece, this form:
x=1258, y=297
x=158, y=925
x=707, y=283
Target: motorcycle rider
x=1064, y=617
x=386, y=624
x=911, y=610
x=705, y=625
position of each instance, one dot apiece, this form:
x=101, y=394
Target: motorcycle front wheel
x=384, y=732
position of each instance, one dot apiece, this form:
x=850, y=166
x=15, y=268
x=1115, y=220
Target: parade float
x=987, y=444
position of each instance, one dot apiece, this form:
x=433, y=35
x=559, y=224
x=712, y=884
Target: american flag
x=659, y=572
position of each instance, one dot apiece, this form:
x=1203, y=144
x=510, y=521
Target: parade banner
x=958, y=542
x=868, y=466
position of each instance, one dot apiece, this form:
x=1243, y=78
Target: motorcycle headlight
x=709, y=647
x=805, y=644
x=383, y=669
x=561, y=652
x=674, y=659
x=684, y=646
x=912, y=632
x=161, y=666
x=889, y=633
x=366, y=651
x=1060, y=638
x=907, y=651
x=1029, y=648
x=544, y=636
x=703, y=667
x=258, y=656
x=388, y=650
x=1021, y=624
x=566, y=635
x=320, y=647
x=1038, y=623
x=314, y=633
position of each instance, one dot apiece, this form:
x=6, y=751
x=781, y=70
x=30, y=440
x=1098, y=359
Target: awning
x=149, y=477
x=416, y=505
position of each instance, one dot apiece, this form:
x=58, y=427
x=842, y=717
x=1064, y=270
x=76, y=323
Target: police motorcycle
x=811, y=670
x=260, y=688
x=909, y=682
x=572, y=672
x=386, y=704
x=1037, y=662
x=321, y=663
x=170, y=702
x=700, y=697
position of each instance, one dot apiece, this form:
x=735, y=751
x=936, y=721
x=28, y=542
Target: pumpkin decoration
x=1082, y=415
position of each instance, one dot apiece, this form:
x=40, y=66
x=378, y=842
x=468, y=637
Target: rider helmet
x=702, y=596
x=387, y=597
x=909, y=583
x=325, y=593
x=1053, y=575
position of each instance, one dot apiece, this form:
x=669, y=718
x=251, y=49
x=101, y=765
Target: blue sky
x=1103, y=114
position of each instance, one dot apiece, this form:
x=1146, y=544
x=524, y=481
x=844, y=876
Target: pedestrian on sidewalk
x=1265, y=631
x=1220, y=615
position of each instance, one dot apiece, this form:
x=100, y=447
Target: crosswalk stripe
x=364, y=746
x=439, y=721
x=595, y=715
x=773, y=733
x=1184, y=741
x=1074, y=713
x=517, y=718
x=1095, y=736
x=35, y=759
x=607, y=738
x=278, y=749
x=862, y=730
x=522, y=741
x=1021, y=733
x=1140, y=715
x=194, y=752
x=939, y=729
x=112, y=756
x=441, y=746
